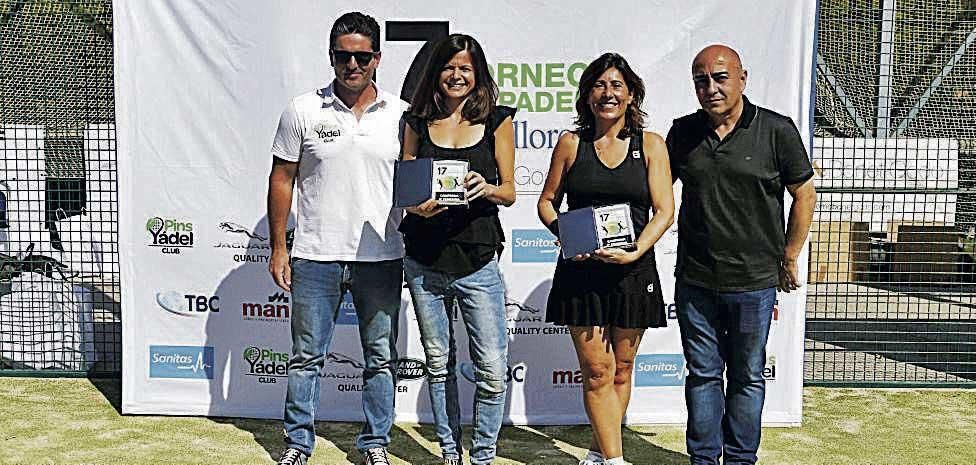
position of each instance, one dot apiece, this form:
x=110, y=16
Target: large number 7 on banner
x=415, y=31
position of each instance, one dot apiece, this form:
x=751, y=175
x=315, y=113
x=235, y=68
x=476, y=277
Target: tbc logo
x=187, y=304
x=188, y=362
x=513, y=374
x=266, y=364
x=169, y=234
x=534, y=246
x=659, y=370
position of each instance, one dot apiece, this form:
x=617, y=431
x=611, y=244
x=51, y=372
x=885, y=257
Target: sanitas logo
x=276, y=309
x=267, y=364
x=169, y=235
x=653, y=370
x=534, y=246
x=181, y=362
x=250, y=247
x=182, y=304
x=347, y=311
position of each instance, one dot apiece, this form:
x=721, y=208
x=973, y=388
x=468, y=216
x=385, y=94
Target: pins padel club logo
x=268, y=365
x=170, y=235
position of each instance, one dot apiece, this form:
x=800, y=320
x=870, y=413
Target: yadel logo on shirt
x=327, y=132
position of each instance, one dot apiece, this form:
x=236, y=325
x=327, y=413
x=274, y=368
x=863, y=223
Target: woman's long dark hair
x=428, y=103
x=634, y=117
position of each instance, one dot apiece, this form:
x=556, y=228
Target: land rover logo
x=409, y=369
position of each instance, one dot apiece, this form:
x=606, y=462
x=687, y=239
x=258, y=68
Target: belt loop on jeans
x=345, y=282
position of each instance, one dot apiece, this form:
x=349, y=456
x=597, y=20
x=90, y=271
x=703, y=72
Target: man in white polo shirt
x=339, y=145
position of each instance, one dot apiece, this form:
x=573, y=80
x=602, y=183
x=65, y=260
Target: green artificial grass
x=75, y=421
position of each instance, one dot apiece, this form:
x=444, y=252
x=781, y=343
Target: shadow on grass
x=639, y=446
x=111, y=389
x=530, y=447
x=402, y=445
x=266, y=433
x=514, y=443
x=270, y=436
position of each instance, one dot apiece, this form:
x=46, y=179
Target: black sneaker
x=292, y=456
x=375, y=456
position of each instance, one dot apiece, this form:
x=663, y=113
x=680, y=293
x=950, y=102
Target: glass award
x=583, y=230
x=447, y=185
x=614, y=227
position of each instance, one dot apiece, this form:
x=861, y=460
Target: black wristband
x=554, y=227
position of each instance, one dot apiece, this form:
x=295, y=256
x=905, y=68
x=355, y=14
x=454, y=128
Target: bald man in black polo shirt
x=735, y=160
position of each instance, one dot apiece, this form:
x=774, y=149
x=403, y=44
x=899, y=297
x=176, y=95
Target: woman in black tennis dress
x=608, y=298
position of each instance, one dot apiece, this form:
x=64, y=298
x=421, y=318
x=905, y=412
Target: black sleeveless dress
x=460, y=240
x=595, y=293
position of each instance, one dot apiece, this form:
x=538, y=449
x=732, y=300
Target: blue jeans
x=724, y=331
x=317, y=289
x=480, y=297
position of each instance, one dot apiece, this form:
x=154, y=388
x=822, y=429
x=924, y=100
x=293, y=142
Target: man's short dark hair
x=356, y=23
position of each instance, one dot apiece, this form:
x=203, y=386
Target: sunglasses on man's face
x=362, y=58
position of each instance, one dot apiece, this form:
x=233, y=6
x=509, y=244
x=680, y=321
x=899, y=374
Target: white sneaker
x=592, y=458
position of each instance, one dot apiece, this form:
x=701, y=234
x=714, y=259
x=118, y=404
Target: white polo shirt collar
x=329, y=98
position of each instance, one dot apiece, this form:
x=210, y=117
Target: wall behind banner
x=200, y=86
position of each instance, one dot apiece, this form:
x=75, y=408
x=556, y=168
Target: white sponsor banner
x=909, y=165
x=200, y=87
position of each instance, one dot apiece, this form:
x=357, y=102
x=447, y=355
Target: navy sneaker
x=292, y=456
x=375, y=456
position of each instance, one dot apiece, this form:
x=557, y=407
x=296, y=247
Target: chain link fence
x=893, y=249
x=59, y=264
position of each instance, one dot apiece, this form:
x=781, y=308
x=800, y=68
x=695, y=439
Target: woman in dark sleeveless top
x=452, y=252
x=609, y=297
